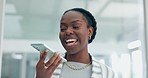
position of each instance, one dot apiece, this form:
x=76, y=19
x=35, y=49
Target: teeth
x=70, y=40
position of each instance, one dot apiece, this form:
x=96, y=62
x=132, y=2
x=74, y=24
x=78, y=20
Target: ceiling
x=117, y=20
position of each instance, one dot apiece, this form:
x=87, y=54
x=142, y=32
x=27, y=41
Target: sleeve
x=107, y=72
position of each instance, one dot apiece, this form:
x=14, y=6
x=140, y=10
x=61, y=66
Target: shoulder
x=105, y=70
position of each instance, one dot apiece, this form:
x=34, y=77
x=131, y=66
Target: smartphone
x=42, y=47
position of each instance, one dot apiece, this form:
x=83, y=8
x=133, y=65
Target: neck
x=82, y=57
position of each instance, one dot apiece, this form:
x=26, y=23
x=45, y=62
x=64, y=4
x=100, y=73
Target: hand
x=45, y=70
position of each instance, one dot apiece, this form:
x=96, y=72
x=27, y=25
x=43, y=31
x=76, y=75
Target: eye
x=63, y=28
x=76, y=27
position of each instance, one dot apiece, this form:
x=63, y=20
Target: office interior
x=121, y=39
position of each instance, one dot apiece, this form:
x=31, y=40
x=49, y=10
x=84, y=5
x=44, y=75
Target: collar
x=96, y=69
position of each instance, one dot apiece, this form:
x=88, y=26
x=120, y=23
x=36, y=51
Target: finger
x=54, y=65
x=43, y=55
x=41, y=63
x=56, y=60
x=52, y=59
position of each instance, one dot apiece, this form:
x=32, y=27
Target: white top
x=95, y=70
x=67, y=72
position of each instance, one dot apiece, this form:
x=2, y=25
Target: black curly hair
x=90, y=19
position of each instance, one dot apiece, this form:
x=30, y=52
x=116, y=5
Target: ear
x=90, y=31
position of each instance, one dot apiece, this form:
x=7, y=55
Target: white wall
x=2, y=3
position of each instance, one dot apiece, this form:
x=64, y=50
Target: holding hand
x=46, y=69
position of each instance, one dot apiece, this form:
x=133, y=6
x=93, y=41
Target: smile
x=71, y=42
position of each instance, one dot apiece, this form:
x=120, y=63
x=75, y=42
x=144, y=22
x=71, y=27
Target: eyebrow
x=72, y=21
x=76, y=21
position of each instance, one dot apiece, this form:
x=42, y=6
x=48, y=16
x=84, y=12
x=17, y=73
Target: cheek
x=84, y=36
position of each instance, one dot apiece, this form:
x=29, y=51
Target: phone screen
x=42, y=47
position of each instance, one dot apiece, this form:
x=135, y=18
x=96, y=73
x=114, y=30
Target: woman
x=77, y=30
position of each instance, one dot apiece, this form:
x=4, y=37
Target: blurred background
x=119, y=43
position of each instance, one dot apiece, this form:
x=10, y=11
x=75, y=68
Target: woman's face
x=74, y=32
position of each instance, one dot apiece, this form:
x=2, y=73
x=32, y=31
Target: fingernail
x=46, y=50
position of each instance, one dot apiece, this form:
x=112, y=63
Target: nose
x=69, y=31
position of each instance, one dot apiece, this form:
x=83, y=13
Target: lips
x=70, y=42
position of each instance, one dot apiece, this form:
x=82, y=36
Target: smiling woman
x=77, y=30
x=119, y=22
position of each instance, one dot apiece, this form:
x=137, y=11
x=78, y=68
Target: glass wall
x=119, y=42
x=2, y=4
x=146, y=35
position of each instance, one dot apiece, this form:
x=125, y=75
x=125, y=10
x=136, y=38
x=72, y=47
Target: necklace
x=73, y=67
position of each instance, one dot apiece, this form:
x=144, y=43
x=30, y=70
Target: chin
x=71, y=52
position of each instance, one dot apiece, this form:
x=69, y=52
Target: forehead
x=72, y=15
